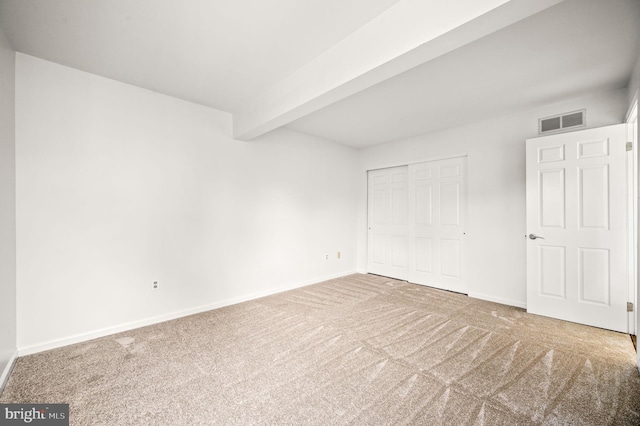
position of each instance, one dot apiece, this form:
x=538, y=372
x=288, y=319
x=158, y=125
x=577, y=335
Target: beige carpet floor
x=356, y=350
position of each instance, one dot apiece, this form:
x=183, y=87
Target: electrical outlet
x=155, y=285
x=326, y=256
x=338, y=255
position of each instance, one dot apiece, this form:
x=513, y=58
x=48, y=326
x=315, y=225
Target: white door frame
x=634, y=285
x=632, y=208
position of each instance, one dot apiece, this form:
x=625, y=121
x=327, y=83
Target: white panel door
x=437, y=210
x=387, y=222
x=577, y=226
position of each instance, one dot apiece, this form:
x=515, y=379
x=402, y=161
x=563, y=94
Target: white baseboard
x=500, y=300
x=4, y=377
x=83, y=337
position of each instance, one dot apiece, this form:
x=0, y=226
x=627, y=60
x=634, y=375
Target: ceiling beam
x=406, y=35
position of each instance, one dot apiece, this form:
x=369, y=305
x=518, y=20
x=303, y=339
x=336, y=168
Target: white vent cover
x=566, y=121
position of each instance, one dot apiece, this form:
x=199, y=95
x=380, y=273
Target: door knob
x=534, y=236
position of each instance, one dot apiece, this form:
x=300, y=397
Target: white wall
x=496, y=187
x=634, y=82
x=7, y=207
x=118, y=186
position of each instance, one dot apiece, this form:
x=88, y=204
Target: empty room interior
x=320, y=212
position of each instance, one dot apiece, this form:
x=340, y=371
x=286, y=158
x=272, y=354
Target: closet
x=416, y=223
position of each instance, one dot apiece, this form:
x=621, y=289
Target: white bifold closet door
x=437, y=214
x=416, y=219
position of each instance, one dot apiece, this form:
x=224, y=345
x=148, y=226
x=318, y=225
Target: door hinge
x=629, y=306
x=629, y=146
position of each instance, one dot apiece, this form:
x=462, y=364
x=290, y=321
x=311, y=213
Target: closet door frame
x=462, y=288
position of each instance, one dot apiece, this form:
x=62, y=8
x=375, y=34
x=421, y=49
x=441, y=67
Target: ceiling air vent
x=566, y=121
